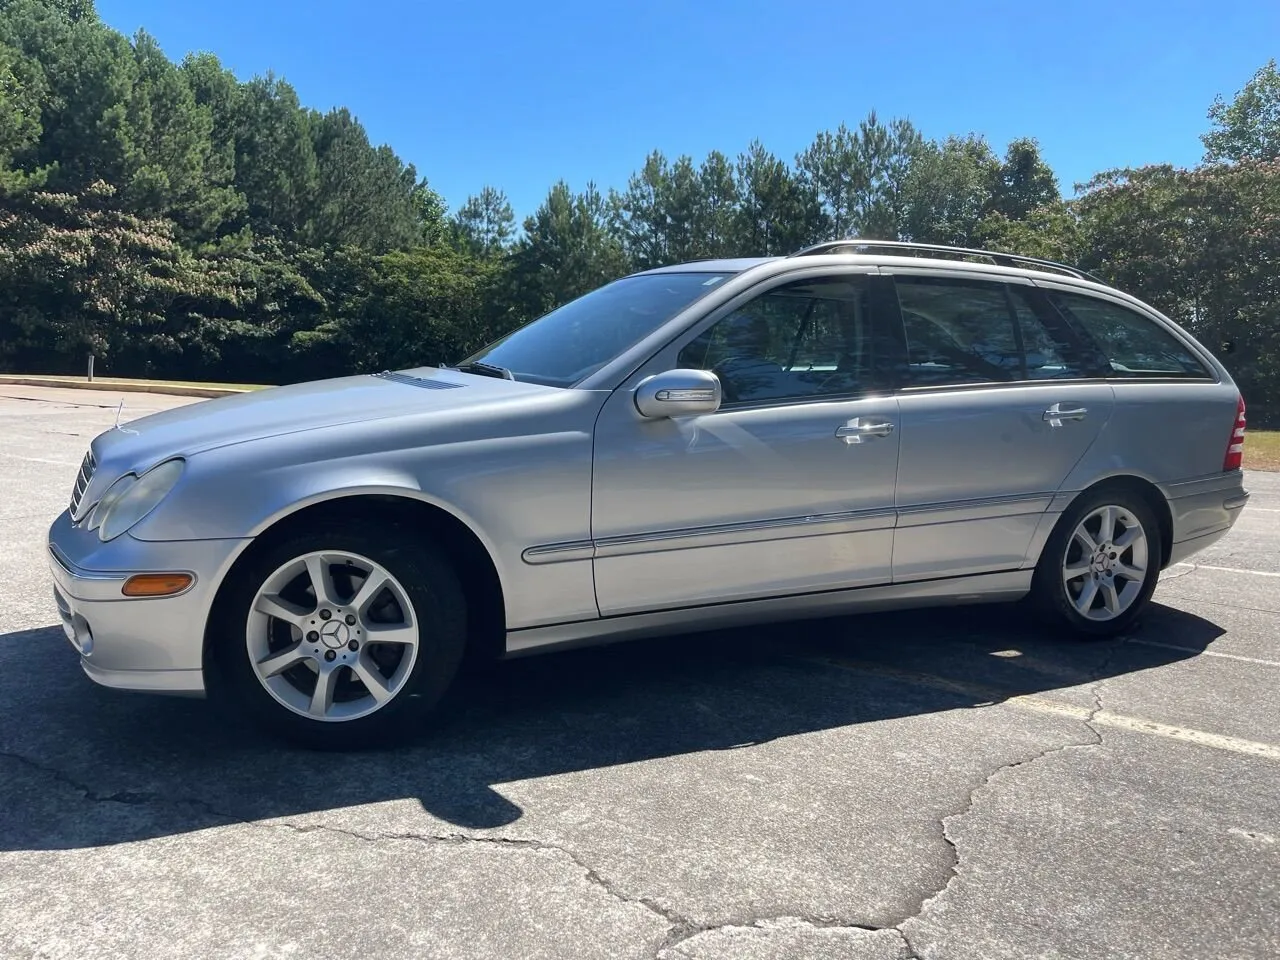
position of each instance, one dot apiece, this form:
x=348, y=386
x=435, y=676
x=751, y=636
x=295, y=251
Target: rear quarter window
x=1135, y=346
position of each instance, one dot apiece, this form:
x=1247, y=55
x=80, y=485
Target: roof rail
x=856, y=245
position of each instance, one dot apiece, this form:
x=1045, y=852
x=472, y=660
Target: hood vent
x=425, y=384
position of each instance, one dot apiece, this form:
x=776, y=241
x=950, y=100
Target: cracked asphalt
x=942, y=784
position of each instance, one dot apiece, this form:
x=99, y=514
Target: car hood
x=276, y=411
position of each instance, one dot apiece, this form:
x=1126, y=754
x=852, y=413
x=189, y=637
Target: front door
x=1000, y=402
x=787, y=489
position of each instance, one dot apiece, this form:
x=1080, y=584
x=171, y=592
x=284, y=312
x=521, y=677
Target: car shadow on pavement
x=81, y=766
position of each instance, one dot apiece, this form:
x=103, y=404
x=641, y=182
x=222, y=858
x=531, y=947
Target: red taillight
x=1235, y=447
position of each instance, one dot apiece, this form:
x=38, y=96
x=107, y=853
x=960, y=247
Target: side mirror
x=678, y=393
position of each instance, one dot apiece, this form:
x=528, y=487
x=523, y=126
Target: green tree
x=1247, y=128
x=216, y=90
x=568, y=249
x=682, y=202
x=249, y=335
x=173, y=168
x=173, y=220
x=832, y=168
x=1052, y=232
x=20, y=130
x=74, y=11
x=408, y=308
x=888, y=155
x=79, y=277
x=364, y=196
x=1203, y=246
x=638, y=215
x=432, y=213
x=1023, y=181
x=275, y=163
x=85, y=78
x=658, y=217
x=716, y=214
x=485, y=225
x=777, y=213
x=948, y=190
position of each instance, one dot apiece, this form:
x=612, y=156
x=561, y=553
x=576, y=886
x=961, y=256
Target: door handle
x=1058, y=414
x=859, y=430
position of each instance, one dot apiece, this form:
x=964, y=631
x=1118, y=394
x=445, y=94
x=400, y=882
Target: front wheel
x=340, y=639
x=1100, y=565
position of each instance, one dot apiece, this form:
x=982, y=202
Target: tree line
x=177, y=222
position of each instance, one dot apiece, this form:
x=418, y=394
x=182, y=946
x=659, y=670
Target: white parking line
x=50, y=401
x=1106, y=718
x=1208, y=566
x=1205, y=653
x=56, y=463
x=1120, y=721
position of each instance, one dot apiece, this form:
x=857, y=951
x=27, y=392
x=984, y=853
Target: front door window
x=805, y=340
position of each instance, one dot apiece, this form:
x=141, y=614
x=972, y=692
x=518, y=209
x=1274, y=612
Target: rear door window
x=1052, y=351
x=962, y=331
x=958, y=331
x=1135, y=346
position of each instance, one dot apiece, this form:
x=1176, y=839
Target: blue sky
x=520, y=94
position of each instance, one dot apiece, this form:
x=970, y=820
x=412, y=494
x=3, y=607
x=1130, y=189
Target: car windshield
x=573, y=341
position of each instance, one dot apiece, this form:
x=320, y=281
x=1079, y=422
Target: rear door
x=999, y=401
x=1172, y=414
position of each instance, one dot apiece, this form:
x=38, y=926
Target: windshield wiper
x=485, y=369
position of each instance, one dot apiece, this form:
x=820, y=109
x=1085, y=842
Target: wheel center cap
x=335, y=634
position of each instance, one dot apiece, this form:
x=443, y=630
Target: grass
x=1262, y=450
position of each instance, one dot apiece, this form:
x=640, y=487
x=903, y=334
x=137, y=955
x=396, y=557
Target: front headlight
x=132, y=497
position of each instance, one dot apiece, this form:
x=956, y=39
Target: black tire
x=1055, y=598
x=440, y=611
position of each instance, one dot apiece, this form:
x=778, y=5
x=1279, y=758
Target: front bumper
x=153, y=644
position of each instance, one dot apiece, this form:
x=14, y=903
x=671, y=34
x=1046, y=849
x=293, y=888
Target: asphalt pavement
x=941, y=784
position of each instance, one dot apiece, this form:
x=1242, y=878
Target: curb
x=122, y=386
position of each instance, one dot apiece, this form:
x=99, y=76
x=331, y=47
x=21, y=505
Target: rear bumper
x=147, y=644
x=1203, y=511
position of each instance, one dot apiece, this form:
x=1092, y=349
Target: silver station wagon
x=861, y=425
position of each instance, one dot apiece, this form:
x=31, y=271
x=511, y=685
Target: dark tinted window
x=1134, y=345
x=958, y=331
x=807, y=339
x=575, y=340
x=982, y=331
x=1051, y=351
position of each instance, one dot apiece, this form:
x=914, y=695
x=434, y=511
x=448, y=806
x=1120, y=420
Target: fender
x=487, y=484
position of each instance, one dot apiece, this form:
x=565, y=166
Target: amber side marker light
x=157, y=584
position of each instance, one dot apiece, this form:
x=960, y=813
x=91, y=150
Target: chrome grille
x=87, y=466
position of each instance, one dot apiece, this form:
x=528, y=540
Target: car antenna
x=119, y=409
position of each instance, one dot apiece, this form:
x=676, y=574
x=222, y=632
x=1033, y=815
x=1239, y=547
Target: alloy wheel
x=332, y=636
x=1105, y=565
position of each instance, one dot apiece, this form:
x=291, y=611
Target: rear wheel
x=1100, y=566
x=340, y=639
